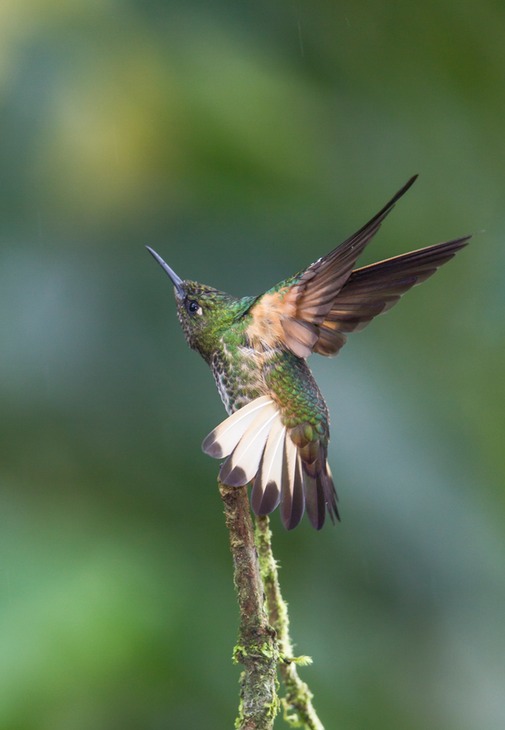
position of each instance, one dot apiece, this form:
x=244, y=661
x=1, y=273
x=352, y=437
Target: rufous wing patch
x=266, y=329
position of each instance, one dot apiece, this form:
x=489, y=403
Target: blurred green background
x=243, y=141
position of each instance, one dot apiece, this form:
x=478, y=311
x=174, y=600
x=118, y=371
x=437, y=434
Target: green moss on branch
x=257, y=648
x=297, y=702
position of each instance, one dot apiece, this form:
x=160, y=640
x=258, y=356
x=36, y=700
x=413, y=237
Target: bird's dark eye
x=192, y=306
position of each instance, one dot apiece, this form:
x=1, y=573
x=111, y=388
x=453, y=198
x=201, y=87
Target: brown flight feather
x=308, y=301
x=374, y=289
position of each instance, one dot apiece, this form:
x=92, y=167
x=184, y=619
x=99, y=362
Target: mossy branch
x=257, y=647
x=297, y=703
x=264, y=642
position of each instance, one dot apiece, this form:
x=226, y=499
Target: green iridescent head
x=203, y=311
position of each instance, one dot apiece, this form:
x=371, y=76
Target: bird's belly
x=239, y=377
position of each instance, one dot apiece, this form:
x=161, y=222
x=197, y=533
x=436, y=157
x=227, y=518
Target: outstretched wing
x=374, y=289
x=288, y=465
x=297, y=308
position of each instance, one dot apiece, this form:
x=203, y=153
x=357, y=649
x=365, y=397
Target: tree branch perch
x=264, y=642
x=257, y=647
x=298, y=708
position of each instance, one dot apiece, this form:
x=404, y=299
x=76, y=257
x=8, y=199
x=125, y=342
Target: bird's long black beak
x=176, y=280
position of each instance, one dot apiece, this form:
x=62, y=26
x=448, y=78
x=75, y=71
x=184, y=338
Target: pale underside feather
x=266, y=491
x=292, y=496
x=245, y=459
x=223, y=439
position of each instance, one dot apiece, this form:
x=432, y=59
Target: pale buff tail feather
x=254, y=441
x=223, y=439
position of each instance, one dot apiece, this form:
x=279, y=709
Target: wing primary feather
x=311, y=296
x=383, y=212
x=348, y=252
x=374, y=289
x=408, y=263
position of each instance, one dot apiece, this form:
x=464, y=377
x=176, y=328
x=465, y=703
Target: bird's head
x=204, y=312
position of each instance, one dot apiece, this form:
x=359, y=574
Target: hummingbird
x=277, y=431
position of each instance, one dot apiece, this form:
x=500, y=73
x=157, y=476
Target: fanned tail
x=286, y=467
